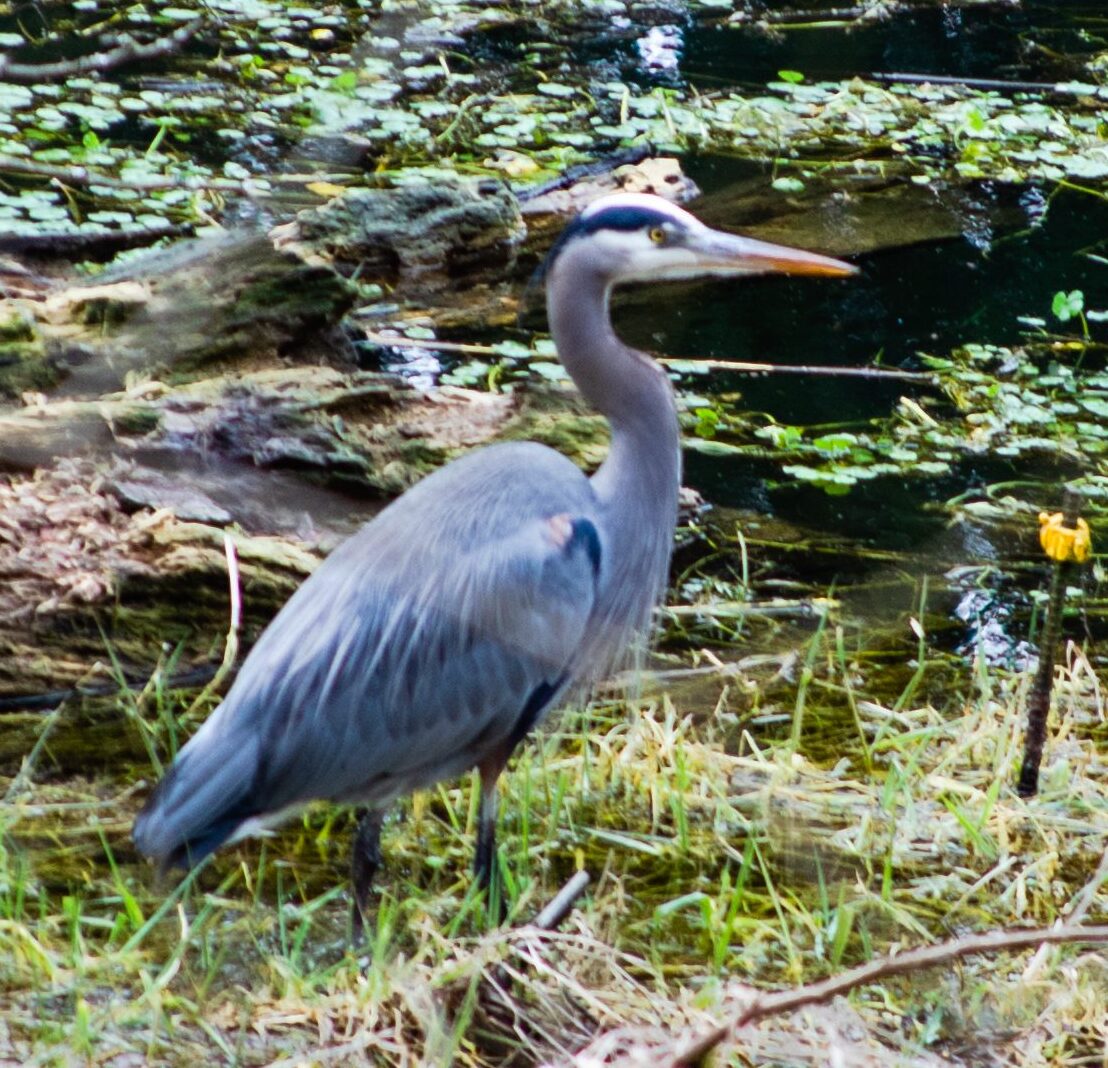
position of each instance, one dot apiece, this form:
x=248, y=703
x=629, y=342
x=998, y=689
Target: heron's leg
x=365, y=859
x=484, y=858
x=485, y=861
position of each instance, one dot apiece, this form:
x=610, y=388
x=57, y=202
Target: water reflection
x=988, y=618
x=1030, y=41
x=660, y=49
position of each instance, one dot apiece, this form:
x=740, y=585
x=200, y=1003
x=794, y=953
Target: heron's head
x=637, y=237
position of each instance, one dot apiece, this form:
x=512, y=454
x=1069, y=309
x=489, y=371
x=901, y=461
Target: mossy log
x=23, y=363
x=239, y=299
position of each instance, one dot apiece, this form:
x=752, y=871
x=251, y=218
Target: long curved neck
x=638, y=484
x=624, y=385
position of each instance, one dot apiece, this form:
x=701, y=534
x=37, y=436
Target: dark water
x=920, y=298
x=664, y=44
x=928, y=297
x=1031, y=41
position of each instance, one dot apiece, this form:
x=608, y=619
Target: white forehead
x=643, y=202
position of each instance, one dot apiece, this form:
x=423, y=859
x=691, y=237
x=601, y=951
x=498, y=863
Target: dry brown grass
x=723, y=863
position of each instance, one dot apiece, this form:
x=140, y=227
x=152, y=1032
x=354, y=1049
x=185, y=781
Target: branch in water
x=82, y=176
x=128, y=51
x=984, y=84
x=389, y=341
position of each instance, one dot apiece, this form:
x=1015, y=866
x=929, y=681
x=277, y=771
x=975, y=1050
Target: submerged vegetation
x=818, y=766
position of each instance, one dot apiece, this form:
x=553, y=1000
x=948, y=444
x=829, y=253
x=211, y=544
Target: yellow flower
x=1064, y=543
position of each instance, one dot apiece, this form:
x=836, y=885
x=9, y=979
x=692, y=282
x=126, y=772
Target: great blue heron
x=434, y=639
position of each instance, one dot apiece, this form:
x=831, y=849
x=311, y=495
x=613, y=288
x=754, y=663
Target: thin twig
x=35, y=702
x=127, y=51
x=556, y=910
x=746, y=367
x=801, y=609
x=835, y=14
x=823, y=371
x=500, y=977
x=805, y=19
x=885, y=967
x=82, y=176
x=463, y=348
x=986, y=84
x=1079, y=907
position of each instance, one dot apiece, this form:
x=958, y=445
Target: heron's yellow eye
x=658, y=235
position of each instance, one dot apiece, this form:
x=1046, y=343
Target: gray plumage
x=434, y=639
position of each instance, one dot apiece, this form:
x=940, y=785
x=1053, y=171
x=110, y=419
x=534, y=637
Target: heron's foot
x=365, y=859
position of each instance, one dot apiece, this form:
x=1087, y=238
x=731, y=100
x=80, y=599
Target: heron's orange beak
x=716, y=251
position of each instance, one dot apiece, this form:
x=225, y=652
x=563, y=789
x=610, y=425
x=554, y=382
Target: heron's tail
x=202, y=801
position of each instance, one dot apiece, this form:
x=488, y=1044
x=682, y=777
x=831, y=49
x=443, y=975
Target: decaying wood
x=266, y=424
x=548, y=207
x=77, y=175
x=244, y=298
x=90, y=244
x=293, y=452
x=100, y=550
x=425, y=237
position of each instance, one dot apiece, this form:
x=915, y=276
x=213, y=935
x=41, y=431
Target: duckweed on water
x=1043, y=402
x=257, y=81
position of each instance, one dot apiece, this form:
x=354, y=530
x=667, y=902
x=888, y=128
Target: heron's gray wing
x=400, y=683
x=439, y=632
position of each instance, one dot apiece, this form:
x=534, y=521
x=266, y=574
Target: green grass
x=729, y=842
